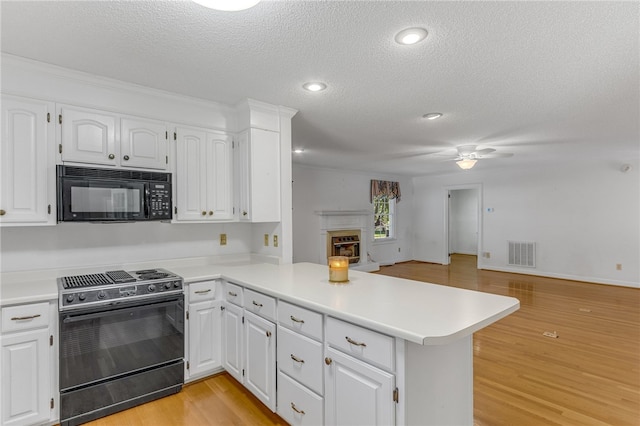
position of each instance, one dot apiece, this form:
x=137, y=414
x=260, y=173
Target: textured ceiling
x=547, y=81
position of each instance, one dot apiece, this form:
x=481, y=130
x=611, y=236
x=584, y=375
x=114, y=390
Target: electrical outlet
x=618, y=266
x=266, y=240
x=275, y=241
x=223, y=239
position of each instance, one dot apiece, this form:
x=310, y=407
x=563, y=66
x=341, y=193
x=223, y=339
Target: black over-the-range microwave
x=110, y=195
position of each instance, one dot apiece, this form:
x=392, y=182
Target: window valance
x=385, y=187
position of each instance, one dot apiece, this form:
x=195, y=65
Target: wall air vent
x=522, y=254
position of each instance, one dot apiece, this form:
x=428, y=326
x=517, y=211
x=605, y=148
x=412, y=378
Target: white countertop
x=426, y=314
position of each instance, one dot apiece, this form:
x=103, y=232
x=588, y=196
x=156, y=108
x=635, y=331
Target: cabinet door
x=143, y=143
x=190, y=171
x=218, y=171
x=89, y=136
x=25, y=377
x=357, y=393
x=205, y=320
x=28, y=169
x=259, y=176
x=232, y=334
x=260, y=359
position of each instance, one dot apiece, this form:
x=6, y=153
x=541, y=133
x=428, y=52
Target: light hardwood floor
x=588, y=375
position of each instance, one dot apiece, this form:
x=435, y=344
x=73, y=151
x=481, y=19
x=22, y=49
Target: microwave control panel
x=159, y=201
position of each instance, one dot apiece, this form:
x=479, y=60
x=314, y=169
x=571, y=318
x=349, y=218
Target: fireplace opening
x=344, y=243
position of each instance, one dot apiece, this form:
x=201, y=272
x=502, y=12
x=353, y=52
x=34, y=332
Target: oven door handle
x=71, y=318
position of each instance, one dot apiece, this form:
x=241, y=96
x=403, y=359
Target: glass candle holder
x=338, y=269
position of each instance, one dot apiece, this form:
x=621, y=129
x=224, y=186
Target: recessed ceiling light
x=298, y=150
x=228, y=5
x=432, y=115
x=314, y=86
x=411, y=35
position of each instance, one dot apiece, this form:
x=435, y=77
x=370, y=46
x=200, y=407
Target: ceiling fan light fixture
x=314, y=86
x=228, y=5
x=410, y=36
x=432, y=115
x=466, y=163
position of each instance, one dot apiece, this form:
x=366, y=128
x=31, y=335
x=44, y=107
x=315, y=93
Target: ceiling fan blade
x=485, y=151
x=497, y=155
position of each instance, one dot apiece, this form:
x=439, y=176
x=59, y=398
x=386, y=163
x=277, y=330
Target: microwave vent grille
x=115, y=174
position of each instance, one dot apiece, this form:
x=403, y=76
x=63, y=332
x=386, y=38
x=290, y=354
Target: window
x=384, y=196
x=383, y=217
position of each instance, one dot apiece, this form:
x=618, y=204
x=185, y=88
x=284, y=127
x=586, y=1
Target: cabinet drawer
x=297, y=404
x=199, y=292
x=25, y=317
x=233, y=293
x=260, y=304
x=362, y=343
x=300, y=319
x=300, y=358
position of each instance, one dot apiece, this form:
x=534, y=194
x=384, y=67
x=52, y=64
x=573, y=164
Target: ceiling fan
x=468, y=155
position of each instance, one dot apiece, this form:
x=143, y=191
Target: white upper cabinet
x=143, y=143
x=88, y=136
x=104, y=138
x=259, y=176
x=203, y=175
x=27, y=194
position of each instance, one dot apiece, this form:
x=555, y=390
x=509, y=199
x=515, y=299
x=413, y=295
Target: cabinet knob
x=111, y=156
x=244, y=213
x=268, y=333
x=2, y=212
x=210, y=213
x=328, y=361
x=126, y=158
x=204, y=213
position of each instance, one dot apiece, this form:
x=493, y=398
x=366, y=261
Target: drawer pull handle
x=296, y=359
x=203, y=291
x=25, y=318
x=328, y=361
x=294, y=319
x=232, y=294
x=268, y=334
x=353, y=342
x=293, y=407
x=259, y=305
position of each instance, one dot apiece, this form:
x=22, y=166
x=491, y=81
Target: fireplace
x=344, y=243
x=347, y=233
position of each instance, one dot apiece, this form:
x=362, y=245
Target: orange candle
x=338, y=269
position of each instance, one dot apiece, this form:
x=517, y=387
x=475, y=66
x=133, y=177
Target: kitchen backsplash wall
x=84, y=244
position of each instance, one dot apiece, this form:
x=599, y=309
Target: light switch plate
x=266, y=240
x=275, y=241
x=223, y=239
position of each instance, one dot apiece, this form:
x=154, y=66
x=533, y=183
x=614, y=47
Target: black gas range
x=113, y=287
x=121, y=341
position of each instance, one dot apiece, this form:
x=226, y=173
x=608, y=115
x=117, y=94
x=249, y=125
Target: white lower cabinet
x=356, y=393
x=204, y=328
x=260, y=358
x=298, y=405
x=27, y=362
x=232, y=344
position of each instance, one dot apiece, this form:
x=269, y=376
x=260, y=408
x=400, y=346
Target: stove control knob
x=151, y=288
x=167, y=286
x=82, y=296
x=102, y=294
x=176, y=284
x=70, y=298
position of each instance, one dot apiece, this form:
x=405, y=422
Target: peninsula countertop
x=422, y=313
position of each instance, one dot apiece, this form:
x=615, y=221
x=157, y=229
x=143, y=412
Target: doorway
x=462, y=221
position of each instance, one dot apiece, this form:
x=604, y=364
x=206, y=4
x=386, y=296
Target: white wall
x=585, y=219
x=316, y=189
x=463, y=221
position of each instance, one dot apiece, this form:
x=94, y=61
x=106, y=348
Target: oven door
x=108, y=342
x=102, y=200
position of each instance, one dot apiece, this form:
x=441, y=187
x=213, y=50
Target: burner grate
x=153, y=276
x=85, y=280
x=120, y=276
